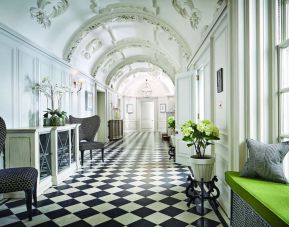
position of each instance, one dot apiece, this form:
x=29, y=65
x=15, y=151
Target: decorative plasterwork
x=117, y=7
x=91, y=48
x=160, y=62
x=127, y=16
x=45, y=11
x=187, y=10
x=110, y=61
x=129, y=43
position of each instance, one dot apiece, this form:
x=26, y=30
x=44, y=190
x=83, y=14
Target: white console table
x=53, y=151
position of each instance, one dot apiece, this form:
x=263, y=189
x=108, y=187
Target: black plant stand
x=172, y=152
x=198, y=196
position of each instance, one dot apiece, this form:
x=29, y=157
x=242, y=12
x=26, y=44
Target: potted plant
x=172, y=127
x=53, y=116
x=200, y=136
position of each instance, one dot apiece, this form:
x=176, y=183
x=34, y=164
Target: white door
x=147, y=116
x=184, y=111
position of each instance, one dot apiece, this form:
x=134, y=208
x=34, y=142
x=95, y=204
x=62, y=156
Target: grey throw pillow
x=265, y=161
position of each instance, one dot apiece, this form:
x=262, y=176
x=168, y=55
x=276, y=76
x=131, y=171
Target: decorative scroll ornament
x=45, y=11
x=91, y=48
x=187, y=10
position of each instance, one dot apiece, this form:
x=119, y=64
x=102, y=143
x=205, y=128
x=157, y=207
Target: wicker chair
x=87, y=131
x=18, y=179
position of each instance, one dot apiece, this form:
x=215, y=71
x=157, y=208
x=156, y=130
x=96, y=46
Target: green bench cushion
x=270, y=200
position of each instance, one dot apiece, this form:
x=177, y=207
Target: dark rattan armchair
x=18, y=179
x=87, y=131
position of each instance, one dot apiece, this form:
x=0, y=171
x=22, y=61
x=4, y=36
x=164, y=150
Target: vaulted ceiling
x=117, y=41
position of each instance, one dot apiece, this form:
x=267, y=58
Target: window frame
x=282, y=43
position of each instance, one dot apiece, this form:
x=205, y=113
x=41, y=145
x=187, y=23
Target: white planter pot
x=203, y=168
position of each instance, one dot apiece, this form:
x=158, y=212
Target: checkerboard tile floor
x=137, y=185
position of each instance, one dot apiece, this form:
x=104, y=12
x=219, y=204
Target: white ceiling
x=117, y=41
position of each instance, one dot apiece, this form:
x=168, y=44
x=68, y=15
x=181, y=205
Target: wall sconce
x=77, y=84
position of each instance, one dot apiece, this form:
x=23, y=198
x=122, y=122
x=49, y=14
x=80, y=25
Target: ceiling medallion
x=187, y=9
x=45, y=11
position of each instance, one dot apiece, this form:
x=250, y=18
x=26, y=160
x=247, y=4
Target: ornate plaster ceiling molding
x=45, y=11
x=129, y=43
x=187, y=9
x=128, y=15
x=91, y=48
x=161, y=63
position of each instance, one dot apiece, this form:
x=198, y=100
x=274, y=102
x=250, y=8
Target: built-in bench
x=255, y=202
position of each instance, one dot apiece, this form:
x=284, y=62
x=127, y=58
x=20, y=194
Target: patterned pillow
x=265, y=161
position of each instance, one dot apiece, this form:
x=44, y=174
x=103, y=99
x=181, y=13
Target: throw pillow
x=265, y=161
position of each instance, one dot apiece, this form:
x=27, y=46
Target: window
x=283, y=73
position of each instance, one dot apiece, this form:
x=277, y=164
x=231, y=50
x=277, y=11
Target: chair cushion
x=90, y=145
x=17, y=179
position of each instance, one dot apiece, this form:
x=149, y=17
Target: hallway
x=137, y=185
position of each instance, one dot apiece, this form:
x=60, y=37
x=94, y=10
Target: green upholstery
x=269, y=199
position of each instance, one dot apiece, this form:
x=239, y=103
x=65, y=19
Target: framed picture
x=162, y=108
x=88, y=101
x=129, y=108
x=220, y=80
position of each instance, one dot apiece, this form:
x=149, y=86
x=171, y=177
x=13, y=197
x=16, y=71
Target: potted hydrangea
x=200, y=136
x=172, y=127
x=172, y=123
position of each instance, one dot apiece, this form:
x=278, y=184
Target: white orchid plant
x=199, y=135
x=52, y=92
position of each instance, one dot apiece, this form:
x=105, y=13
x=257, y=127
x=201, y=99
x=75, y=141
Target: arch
x=127, y=43
x=124, y=16
x=161, y=63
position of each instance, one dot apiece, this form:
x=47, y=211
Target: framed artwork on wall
x=220, y=80
x=129, y=108
x=162, y=108
x=88, y=100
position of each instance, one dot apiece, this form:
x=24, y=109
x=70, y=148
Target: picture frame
x=162, y=108
x=220, y=80
x=129, y=108
x=88, y=101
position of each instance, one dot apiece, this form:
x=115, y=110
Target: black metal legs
x=199, y=196
x=172, y=152
x=82, y=155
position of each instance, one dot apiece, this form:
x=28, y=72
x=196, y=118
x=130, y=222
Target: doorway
x=147, y=116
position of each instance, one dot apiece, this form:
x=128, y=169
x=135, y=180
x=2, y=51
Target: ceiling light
x=146, y=91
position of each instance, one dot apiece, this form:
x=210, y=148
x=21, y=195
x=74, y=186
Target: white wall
x=22, y=65
x=212, y=55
